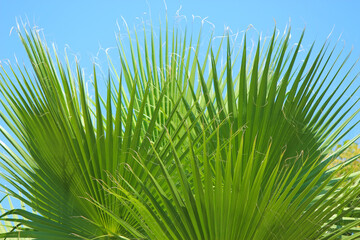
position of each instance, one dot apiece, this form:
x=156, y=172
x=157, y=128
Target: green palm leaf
x=170, y=152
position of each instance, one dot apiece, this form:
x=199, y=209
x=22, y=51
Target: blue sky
x=84, y=27
x=87, y=25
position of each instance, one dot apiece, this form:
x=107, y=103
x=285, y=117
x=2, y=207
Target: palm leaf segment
x=170, y=152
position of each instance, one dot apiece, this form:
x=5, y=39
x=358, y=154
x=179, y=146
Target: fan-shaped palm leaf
x=191, y=149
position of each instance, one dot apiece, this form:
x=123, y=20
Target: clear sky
x=87, y=26
x=84, y=26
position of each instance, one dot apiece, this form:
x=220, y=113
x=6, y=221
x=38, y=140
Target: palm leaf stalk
x=171, y=152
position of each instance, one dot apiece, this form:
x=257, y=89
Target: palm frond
x=171, y=151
